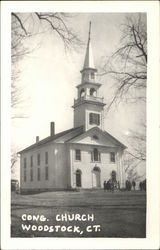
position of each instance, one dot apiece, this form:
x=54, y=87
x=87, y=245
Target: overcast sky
x=49, y=77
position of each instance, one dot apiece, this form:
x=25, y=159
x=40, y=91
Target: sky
x=49, y=77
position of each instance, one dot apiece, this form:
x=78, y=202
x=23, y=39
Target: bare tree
x=128, y=68
x=25, y=25
x=128, y=64
x=14, y=159
x=131, y=162
x=138, y=144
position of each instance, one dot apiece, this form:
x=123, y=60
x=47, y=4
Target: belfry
x=88, y=107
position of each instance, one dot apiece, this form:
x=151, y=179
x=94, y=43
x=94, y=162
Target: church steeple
x=89, y=71
x=88, y=107
x=88, y=61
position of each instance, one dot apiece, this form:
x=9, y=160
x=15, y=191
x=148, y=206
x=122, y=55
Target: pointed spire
x=89, y=34
x=88, y=62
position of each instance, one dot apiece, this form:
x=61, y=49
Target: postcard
x=79, y=125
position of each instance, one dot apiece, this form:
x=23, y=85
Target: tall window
x=78, y=155
x=38, y=174
x=25, y=162
x=46, y=173
x=92, y=75
x=31, y=161
x=113, y=176
x=95, y=155
x=82, y=93
x=78, y=178
x=94, y=118
x=46, y=157
x=38, y=159
x=25, y=175
x=112, y=157
x=31, y=174
x=92, y=92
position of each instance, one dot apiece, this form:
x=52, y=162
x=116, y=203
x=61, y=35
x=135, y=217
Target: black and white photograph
x=78, y=124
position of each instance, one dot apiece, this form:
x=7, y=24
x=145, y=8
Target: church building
x=81, y=157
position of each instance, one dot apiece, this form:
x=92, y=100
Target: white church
x=81, y=157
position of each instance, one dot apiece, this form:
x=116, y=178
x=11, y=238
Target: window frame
x=82, y=93
x=93, y=158
x=31, y=174
x=25, y=175
x=92, y=75
x=38, y=174
x=46, y=173
x=38, y=159
x=31, y=161
x=46, y=157
x=25, y=162
x=112, y=157
x=79, y=154
x=94, y=118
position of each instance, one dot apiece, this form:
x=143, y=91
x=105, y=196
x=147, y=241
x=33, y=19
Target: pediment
x=96, y=136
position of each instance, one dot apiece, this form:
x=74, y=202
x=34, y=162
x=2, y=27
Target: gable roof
x=71, y=136
x=104, y=133
x=66, y=135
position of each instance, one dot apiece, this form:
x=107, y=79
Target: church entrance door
x=78, y=178
x=96, y=173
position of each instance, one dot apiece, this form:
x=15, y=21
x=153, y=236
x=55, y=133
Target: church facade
x=82, y=157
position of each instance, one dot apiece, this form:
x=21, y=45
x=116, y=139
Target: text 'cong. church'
x=81, y=157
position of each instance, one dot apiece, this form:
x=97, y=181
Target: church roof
x=88, y=61
x=70, y=136
x=66, y=135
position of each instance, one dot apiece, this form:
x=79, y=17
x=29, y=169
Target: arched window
x=93, y=92
x=82, y=93
x=92, y=75
x=113, y=175
x=84, y=75
x=78, y=178
x=96, y=169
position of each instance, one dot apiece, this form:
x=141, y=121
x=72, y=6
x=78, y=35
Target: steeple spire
x=89, y=31
x=88, y=62
x=88, y=107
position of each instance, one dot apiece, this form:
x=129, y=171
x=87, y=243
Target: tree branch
x=20, y=22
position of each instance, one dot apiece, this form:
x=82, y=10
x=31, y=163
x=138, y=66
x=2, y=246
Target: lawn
x=119, y=214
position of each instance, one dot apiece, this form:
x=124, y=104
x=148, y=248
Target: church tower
x=88, y=107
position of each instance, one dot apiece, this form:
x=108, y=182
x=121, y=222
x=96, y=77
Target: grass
x=119, y=214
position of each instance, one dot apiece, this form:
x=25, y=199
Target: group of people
x=111, y=185
x=130, y=185
x=142, y=185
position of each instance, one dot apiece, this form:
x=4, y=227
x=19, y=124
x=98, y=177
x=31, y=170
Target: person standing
x=133, y=185
x=140, y=186
x=104, y=185
x=127, y=185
